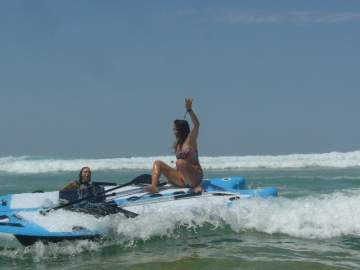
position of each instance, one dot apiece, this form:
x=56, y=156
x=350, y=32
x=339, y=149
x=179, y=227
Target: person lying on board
x=188, y=171
x=83, y=182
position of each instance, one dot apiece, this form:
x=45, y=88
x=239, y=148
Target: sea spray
x=311, y=217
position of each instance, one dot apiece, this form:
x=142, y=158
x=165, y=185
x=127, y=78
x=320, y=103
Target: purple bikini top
x=185, y=154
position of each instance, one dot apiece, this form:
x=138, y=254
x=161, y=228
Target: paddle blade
x=127, y=213
x=142, y=179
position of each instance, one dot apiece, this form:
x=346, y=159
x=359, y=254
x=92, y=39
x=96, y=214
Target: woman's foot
x=151, y=189
x=197, y=189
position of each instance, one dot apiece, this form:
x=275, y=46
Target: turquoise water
x=314, y=224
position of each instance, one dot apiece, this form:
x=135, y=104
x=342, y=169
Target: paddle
x=141, y=179
x=110, y=207
x=105, y=209
x=104, y=183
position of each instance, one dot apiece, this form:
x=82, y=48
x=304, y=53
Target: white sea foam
x=25, y=164
x=320, y=217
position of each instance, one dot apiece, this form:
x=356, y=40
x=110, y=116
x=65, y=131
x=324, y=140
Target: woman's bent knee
x=157, y=163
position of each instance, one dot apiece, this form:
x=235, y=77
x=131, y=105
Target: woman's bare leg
x=191, y=173
x=160, y=167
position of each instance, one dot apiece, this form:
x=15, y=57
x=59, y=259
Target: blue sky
x=107, y=78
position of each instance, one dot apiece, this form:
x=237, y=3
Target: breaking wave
x=27, y=164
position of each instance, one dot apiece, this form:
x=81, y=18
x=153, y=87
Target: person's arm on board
x=70, y=186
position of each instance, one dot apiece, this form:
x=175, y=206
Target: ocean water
x=313, y=224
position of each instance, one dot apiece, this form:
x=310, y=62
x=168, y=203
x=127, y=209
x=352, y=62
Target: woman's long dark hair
x=183, y=129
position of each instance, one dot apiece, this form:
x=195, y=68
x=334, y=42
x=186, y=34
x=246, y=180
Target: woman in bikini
x=188, y=171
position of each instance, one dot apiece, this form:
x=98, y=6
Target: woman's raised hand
x=188, y=103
